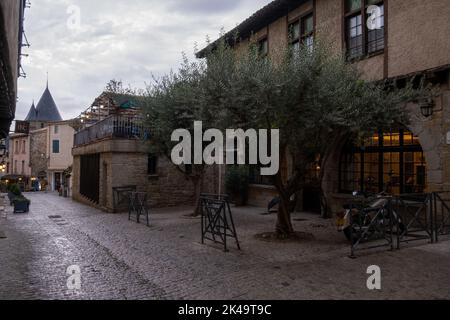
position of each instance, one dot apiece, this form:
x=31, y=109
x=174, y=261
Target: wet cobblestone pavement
x=120, y=259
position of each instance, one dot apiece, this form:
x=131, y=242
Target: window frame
x=347, y=15
x=380, y=149
x=53, y=146
x=264, y=39
x=302, y=35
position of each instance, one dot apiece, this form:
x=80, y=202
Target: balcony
x=113, y=127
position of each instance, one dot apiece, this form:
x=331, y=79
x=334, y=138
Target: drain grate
x=2, y=235
x=55, y=217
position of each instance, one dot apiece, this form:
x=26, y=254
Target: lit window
x=394, y=164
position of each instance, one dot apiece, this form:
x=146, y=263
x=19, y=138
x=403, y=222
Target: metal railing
x=441, y=214
x=115, y=126
x=399, y=220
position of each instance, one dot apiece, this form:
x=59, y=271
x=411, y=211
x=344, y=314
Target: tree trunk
x=337, y=142
x=284, y=226
x=198, y=182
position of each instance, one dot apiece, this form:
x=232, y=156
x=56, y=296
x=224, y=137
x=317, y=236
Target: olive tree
x=174, y=102
x=312, y=96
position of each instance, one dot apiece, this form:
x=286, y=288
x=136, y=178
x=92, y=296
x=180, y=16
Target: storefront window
x=394, y=164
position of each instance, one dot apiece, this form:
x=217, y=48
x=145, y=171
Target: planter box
x=11, y=197
x=21, y=206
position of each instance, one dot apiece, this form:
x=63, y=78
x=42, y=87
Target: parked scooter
x=357, y=221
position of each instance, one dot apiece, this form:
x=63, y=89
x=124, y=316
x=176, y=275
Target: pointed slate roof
x=31, y=114
x=46, y=109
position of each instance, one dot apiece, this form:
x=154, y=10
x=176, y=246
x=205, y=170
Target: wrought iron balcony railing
x=115, y=126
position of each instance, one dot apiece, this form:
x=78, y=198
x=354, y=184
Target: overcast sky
x=116, y=39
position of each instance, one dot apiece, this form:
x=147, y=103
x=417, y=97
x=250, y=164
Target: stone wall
x=38, y=152
x=417, y=35
x=260, y=196
x=125, y=163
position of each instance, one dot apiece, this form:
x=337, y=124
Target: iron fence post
x=391, y=223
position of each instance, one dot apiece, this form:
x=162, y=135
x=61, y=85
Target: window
x=15, y=166
x=55, y=146
x=301, y=32
x=16, y=147
x=23, y=167
x=375, y=40
x=23, y=146
x=391, y=162
x=152, y=165
x=56, y=129
x=364, y=27
x=263, y=47
x=307, y=31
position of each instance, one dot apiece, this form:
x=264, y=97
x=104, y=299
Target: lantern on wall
x=427, y=107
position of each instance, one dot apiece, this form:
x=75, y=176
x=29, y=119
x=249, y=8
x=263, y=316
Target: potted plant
x=236, y=184
x=21, y=204
x=14, y=191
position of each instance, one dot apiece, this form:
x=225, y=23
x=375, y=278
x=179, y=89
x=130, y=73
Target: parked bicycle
x=369, y=218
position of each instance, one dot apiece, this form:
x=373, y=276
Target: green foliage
x=313, y=96
x=21, y=198
x=237, y=180
x=116, y=86
x=15, y=189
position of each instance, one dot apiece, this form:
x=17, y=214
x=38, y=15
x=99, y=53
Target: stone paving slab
x=120, y=259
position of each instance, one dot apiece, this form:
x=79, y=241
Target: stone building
x=111, y=157
x=60, y=137
x=411, y=39
x=11, y=31
x=18, y=164
x=38, y=154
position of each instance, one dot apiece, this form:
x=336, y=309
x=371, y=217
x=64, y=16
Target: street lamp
x=427, y=107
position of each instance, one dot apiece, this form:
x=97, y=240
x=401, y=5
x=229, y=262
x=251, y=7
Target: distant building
x=18, y=163
x=46, y=111
x=60, y=137
x=43, y=155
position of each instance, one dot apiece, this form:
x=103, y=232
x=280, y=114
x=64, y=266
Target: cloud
x=128, y=40
x=203, y=6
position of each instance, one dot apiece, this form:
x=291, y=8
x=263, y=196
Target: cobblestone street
x=120, y=259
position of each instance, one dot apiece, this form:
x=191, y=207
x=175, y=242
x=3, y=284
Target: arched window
x=392, y=162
